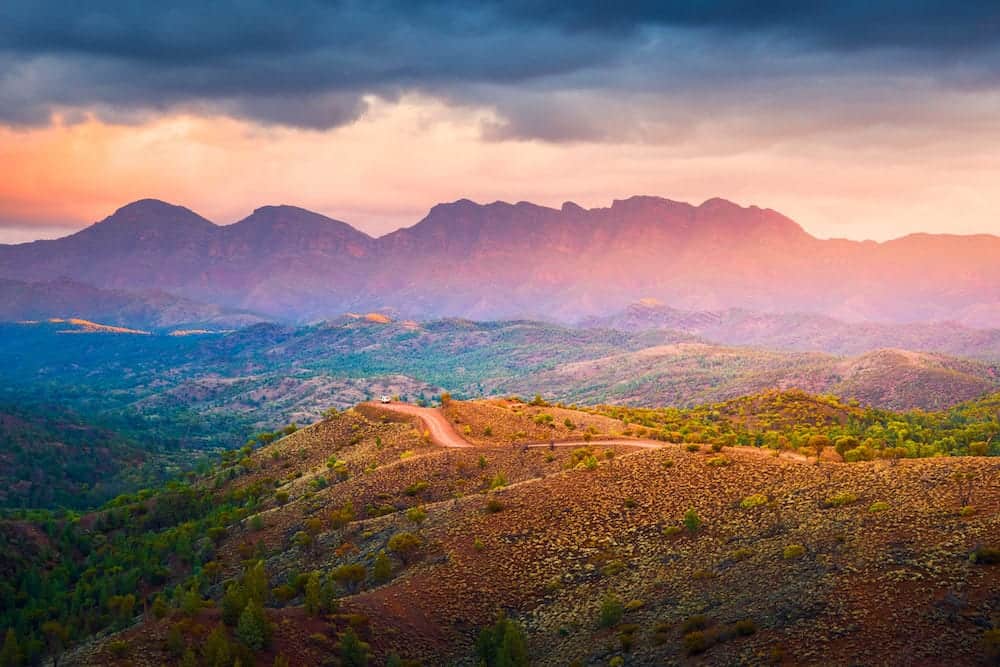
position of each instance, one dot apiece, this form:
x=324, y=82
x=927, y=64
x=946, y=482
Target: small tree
x=56, y=636
x=313, y=601
x=404, y=545
x=350, y=576
x=502, y=645
x=217, y=650
x=353, y=651
x=253, y=629
x=10, y=654
x=382, y=569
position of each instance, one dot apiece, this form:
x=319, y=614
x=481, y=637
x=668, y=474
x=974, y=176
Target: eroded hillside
x=642, y=552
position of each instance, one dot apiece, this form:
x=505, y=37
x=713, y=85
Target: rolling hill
x=272, y=374
x=505, y=260
x=361, y=536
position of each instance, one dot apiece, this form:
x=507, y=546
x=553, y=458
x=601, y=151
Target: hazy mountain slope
x=803, y=331
x=513, y=260
x=271, y=374
x=691, y=373
x=154, y=310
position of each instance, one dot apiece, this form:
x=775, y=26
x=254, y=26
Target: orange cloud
x=387, y=169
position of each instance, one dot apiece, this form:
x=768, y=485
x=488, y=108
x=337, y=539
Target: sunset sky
x=856, y=122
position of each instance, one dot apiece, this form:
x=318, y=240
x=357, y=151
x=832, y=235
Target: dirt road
x=444, y=434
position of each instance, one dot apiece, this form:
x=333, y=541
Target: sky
x=864, y=120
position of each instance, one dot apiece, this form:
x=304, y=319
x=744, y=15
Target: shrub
x=695, y=642
x=416, y=488
x=793, y=551
x=499, y=480
x=741, y=554
x=986, y=555
x=692, y=623
x=350, y=576
x=968, y=510
x=493, y=505
x=478, y=545
x=693, y=447
x=979, y=448
x=416, y=515
x=630, y=503
x=755, y=500
x=840, y=499
x=692, y=521
x=634, y=604
x=118, y=648
x=488, y=431
x=612, y=567
x=405, y=545
x=991, y=644
x=611, y=610
x=671, y=531
x=879, y=506
x=745, y=627
x=719, y=461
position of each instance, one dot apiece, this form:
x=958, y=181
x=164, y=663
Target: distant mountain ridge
x=147, y=309
x=802, y=332
x=504, y=260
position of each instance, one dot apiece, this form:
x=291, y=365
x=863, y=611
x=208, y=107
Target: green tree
x=56, y=636
x=255, y=582
x=253, y=629
x=10, y=654
x=234, y=601
x=382, y=569
x=217, y=651
x=313, y=601
x=353, y=651
x=502, y=645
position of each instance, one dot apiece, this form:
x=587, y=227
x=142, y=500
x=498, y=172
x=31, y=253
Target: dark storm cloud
x=310, y=64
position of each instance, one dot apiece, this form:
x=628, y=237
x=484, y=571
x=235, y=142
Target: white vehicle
x=385, y=399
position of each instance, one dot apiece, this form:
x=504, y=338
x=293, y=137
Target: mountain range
x=802, y=332
x=504, y=260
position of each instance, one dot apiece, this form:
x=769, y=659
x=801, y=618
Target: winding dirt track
x=444, y=434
